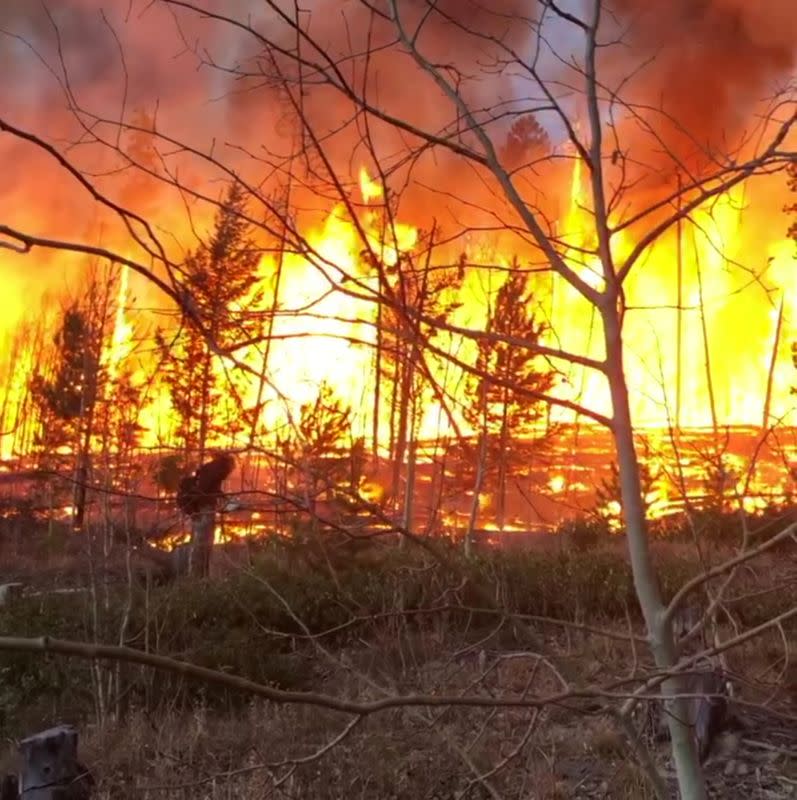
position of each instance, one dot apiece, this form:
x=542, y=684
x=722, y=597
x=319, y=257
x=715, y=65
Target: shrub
x=584, y=532
x=254, y=624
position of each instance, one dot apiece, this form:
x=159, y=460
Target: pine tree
x=220, y=278
x=526, y=141
x=421, y=289
x=321, y=457
x=502, y=408
x=67, y=397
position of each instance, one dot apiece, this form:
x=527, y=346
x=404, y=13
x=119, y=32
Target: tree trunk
x=79, y=493
x=500, y=511
x=205, y=409
x=83, y=463
x=202, y=529
x=687, y=764
x=377, y=385
x=477, y=488
x=409, y=491
x=403, y=423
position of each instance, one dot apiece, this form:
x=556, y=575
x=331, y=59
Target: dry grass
x=176, y=741
x=250, y=751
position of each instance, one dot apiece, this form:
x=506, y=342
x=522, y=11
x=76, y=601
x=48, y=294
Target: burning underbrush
x=566, y=484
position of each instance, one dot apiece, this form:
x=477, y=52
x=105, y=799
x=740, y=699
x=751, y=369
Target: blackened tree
x=791, y=209
x=421, y=290
x=71, y=390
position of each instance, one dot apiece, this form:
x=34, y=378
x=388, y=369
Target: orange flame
x=324, y=329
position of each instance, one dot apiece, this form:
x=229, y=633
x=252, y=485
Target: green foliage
x=565, y=584
x=723, y=528
x=31, y=683
x=254, y=624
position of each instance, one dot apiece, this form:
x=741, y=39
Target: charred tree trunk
x=394, y=403
x=79, y=494
x=9, y=788
x=88, y=403
x=83, y=461
x=409, y=491
x=377, y=385
x=197, y=497
x=481, y=466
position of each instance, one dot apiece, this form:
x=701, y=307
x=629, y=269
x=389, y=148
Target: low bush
x=257, y=623
x=584, y=533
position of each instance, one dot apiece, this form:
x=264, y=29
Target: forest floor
x=380, y=622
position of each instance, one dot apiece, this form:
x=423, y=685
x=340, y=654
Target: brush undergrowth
x=255, y=623
x=372, y=608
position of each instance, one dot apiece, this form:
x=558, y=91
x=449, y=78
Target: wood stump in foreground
x=50, y=767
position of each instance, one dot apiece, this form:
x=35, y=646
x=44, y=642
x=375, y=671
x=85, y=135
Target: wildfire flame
x=324, y=326
x=369, y=189
x=324, y=333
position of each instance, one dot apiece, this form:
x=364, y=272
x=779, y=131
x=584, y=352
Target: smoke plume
x=712, y=59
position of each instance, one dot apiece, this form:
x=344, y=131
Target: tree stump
x=180, y=559
x=50, y=767
x=9, y=592
x=708, y=709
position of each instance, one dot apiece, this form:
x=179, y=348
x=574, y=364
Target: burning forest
x=320, y=286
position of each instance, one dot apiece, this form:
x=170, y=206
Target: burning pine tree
x=511, y=382
x=220, y=279
x=86, y=396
